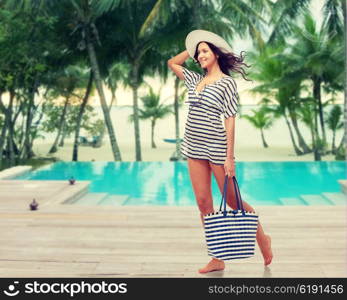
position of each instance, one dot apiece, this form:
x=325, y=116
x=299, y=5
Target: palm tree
x=270, y=71
x=306, y=113
x=79, y=118
x=153, y=110
x=291, y=82
x=334, y=123
x=178, y=20
x=242, y=17
x=313, y=52
x=145, y=40
x=316, y=58
x=88, y=11
x=80, y=16
x=28, y=35
x=335, y=24
x=115, y=74
x=54, y=147
x=178, y=101
x=283, y=17
x=260, y=120
x=68, y=81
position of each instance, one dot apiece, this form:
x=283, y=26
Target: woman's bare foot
x=213, y=265
x=266, y=251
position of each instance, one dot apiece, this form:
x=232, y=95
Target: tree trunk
x=2, y=140
x=177, y=124
x=315, y=137
x=317, y=95
x=10, y=147
x=103, y=131
x=21, y=134
x=301, y=140
x=37, y=123
x=321, y=117
x=135, y=112
x=27, y=152
x=98, y=83
x=263, y=139
x=79, y=118
x=63, y=135
x=54, y=147
x=312, y=135
x=296, y=149
x=3, y=129
x=152, y=133
x=341, y=145
x=333, y=148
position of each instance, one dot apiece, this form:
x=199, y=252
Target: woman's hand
x=229, y=167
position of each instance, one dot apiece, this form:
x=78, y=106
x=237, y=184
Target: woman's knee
x=204, y=203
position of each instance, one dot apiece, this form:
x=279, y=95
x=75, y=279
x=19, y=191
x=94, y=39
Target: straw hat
x=197, y=36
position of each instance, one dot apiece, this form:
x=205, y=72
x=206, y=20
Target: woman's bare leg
x=200, y=176
x=263, y=240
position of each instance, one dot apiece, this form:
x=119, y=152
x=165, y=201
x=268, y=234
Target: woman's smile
x=203, y=61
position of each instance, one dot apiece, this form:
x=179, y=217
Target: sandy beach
x=248, y=145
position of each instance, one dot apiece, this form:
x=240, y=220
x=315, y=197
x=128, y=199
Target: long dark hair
x=228, y=62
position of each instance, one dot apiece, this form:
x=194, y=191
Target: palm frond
x=100, y=7
x=284, y=13
x=151, y=17
x=333, y=17
x=242, y=16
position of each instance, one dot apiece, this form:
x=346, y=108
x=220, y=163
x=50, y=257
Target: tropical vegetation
x=55, y=54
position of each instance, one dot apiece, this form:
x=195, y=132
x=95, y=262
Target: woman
x=208, y=146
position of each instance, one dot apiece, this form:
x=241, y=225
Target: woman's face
x=206, y=57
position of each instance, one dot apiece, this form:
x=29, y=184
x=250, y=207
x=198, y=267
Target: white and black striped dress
x=205, y=135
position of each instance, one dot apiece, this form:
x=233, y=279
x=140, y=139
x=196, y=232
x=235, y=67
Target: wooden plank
x=160, y=241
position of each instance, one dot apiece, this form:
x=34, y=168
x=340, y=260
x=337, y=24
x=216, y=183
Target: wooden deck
x=16, y=195
x=69, y=240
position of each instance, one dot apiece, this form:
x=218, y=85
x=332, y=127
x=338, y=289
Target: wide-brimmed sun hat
x=196, y=36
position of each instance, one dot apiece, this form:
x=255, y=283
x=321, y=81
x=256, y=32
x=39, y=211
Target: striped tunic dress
x=205, y=135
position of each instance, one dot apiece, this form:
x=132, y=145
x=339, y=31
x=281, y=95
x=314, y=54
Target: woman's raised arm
x=175, y=63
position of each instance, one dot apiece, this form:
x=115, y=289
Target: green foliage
x=27, y=44
x=96, y=128
x=341, y=153
x=321, y=145
x=152, y=108
x=334, y=121
x=261, y=118
x=40, y=43
x=306, y=111
x=53, y=112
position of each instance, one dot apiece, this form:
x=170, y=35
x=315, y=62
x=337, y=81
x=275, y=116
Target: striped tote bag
x=230, y=234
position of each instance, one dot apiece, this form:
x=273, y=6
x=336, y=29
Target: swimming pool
x=167, y=183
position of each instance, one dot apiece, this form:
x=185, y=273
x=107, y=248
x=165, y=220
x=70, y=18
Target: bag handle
x=237, y=194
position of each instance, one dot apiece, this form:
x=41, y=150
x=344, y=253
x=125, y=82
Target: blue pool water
x=168, y=183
